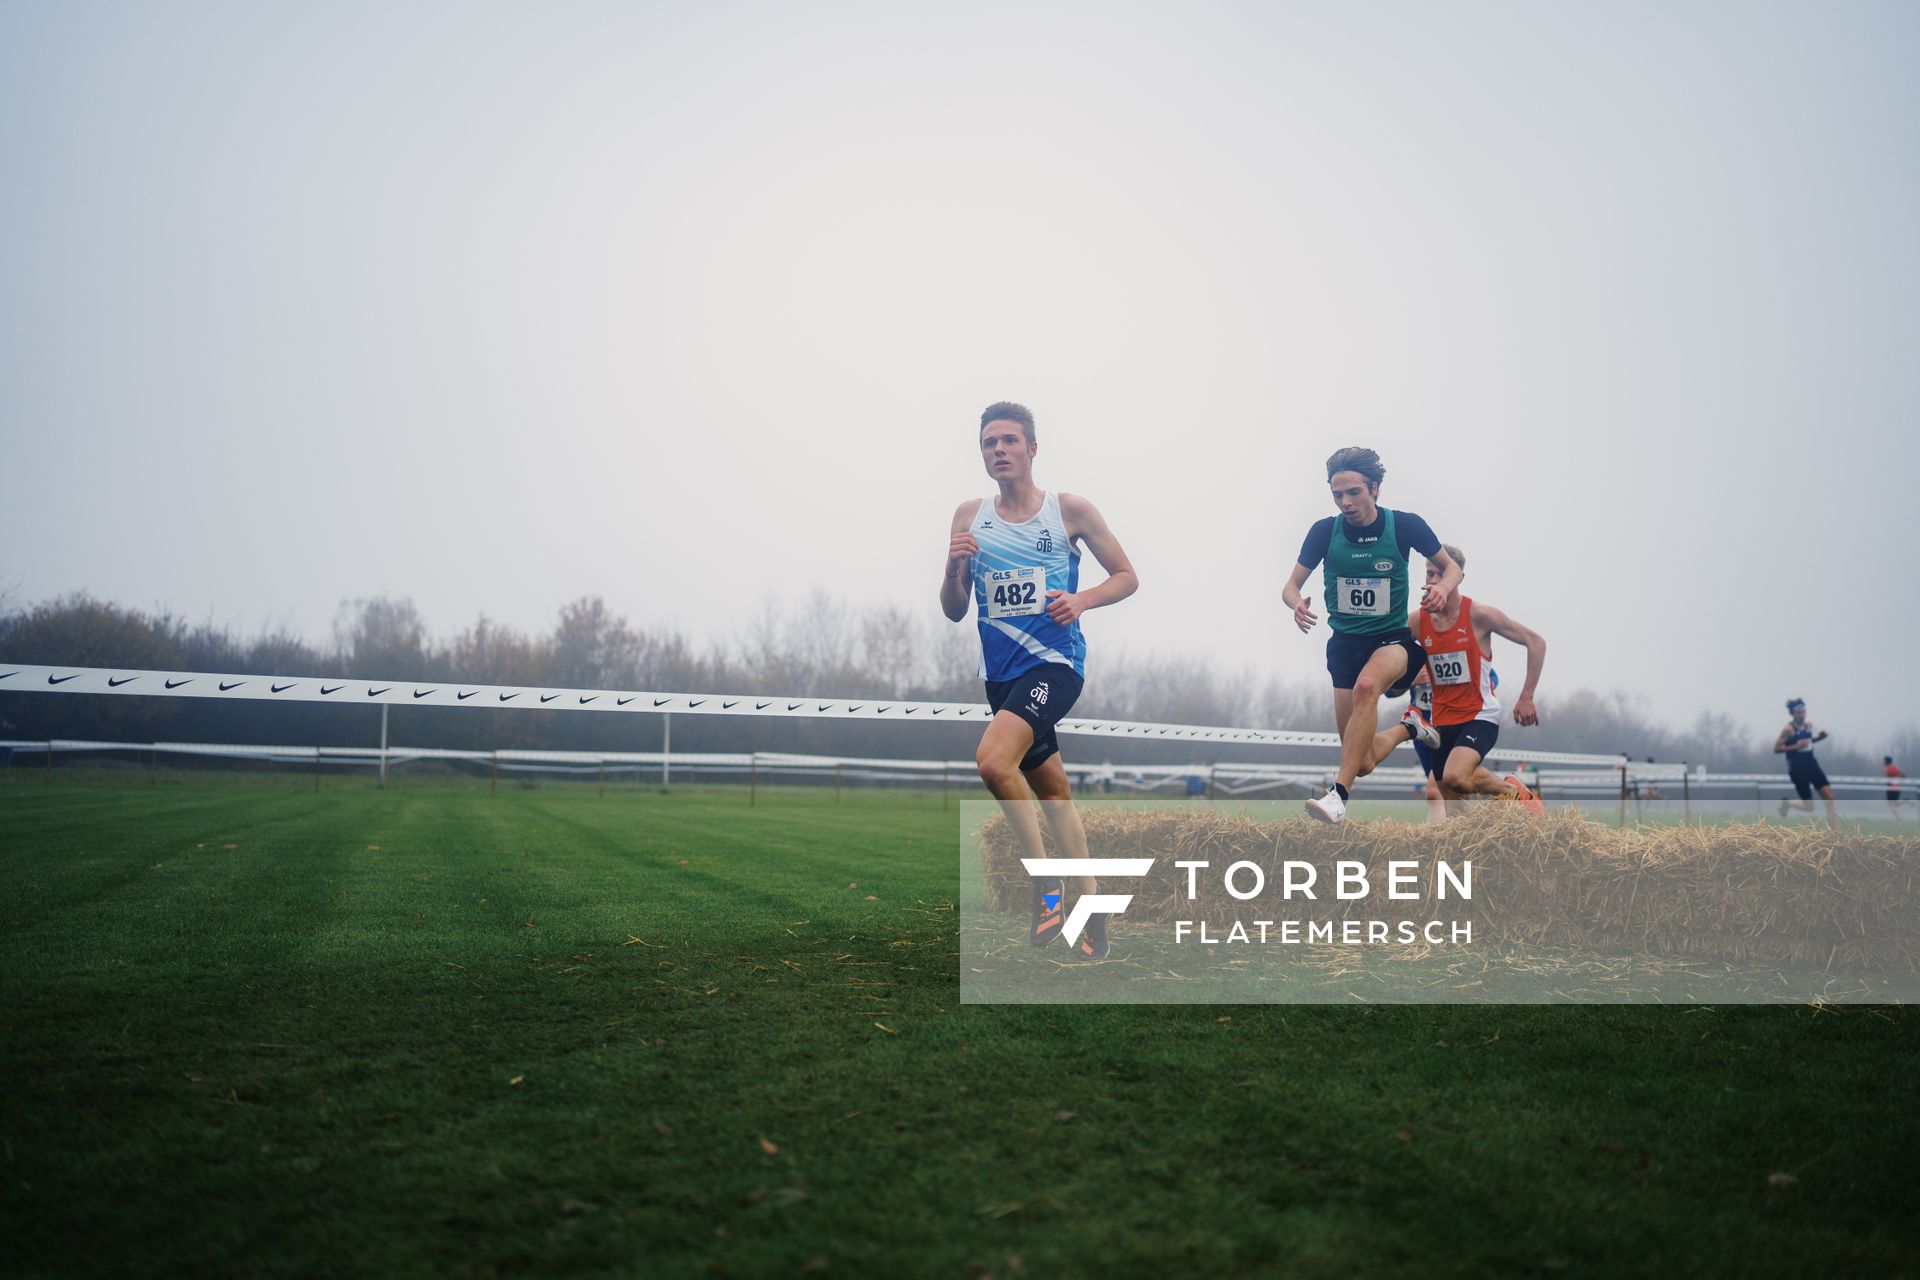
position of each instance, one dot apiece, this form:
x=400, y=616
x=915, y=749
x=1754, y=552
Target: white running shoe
x=1328, y=808
x=1422, y=731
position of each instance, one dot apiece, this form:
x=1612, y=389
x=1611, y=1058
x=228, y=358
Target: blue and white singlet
x=1017, y=565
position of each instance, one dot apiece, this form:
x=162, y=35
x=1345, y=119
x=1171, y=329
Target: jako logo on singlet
x=1044, y=542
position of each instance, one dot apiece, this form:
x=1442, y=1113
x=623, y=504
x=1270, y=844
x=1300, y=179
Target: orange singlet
x=1462, y=689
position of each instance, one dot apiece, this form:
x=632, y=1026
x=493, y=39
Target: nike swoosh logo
x=374, y=693
x=224, y=686
x=115, y=684
x=692, y=705
x=548, y=697
x=175, y=684
x=324, y=691
x=658, y=701
x=508, y=697
x=621, y=702
x=728, y=705
x=938, y=710
x=911, y=710
x=585, y=701
x=825, y=705
x=63, y=679
x=282, y=688
x=759, y=706
x=462, y=697
x=10, y=675
x=881, y=710
x=421, y=693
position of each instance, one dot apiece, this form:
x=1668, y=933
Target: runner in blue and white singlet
x=1013, y=560
x=1016, y=566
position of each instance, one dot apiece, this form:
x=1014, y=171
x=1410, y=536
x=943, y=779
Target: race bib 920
x=1449, y=668
x=1016, y=593
x=1371, y=597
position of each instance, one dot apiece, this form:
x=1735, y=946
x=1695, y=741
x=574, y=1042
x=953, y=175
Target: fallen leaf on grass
x=871, y=898
x=373, y=848
x=229, y=846
x=769, y=1147
x=516, y=1080
x=884, y=1027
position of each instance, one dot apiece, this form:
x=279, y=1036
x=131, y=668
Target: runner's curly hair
x=1010, y=412
x=1354, y=458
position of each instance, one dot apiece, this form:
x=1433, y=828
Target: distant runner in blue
x=1014, y=557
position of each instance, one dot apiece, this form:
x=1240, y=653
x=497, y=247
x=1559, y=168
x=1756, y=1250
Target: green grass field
x=252, y=1030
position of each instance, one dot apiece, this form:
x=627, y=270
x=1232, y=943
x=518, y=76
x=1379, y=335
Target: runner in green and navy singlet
x=1366, y=582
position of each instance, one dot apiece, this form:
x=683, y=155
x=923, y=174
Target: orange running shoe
x=1048, y=910
x=1528, y=801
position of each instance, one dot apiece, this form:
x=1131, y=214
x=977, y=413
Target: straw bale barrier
x=1751, y=893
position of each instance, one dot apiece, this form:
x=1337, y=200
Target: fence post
x=1686, y=790
x=753, y=779
x=666, y=750
x=1623, y=793
x=383, y=746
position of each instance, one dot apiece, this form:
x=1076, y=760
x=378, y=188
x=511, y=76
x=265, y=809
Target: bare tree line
x=818, y=647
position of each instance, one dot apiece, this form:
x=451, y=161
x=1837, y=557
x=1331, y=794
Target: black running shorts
x=1348, y=653
x=1474, y=735
x=1042, y=696
x=1806, y=774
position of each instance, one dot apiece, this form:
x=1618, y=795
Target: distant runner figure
x=1894, y=775
x=1796, y=744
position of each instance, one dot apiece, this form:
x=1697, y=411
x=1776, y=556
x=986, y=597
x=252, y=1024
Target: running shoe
x=1049, y=910
x=1528, y=801
x=1329, y=807
x=1423, y=732
x=1093, y=943
x=1785, y=805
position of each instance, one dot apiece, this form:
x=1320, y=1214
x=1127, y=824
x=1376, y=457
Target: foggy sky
x=694, y=306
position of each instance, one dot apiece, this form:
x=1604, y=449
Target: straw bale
x=1748, y=892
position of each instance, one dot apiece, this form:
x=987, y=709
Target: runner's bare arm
x=1439, y=597
x=957, y=586
x=1780, y=743
x=1302, y=606
x=1536, y=645
x=1085, y=524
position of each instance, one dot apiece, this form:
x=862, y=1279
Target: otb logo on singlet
x=1044, y=542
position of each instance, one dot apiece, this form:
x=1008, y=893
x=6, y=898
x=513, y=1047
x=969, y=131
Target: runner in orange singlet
x=1466, y=712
